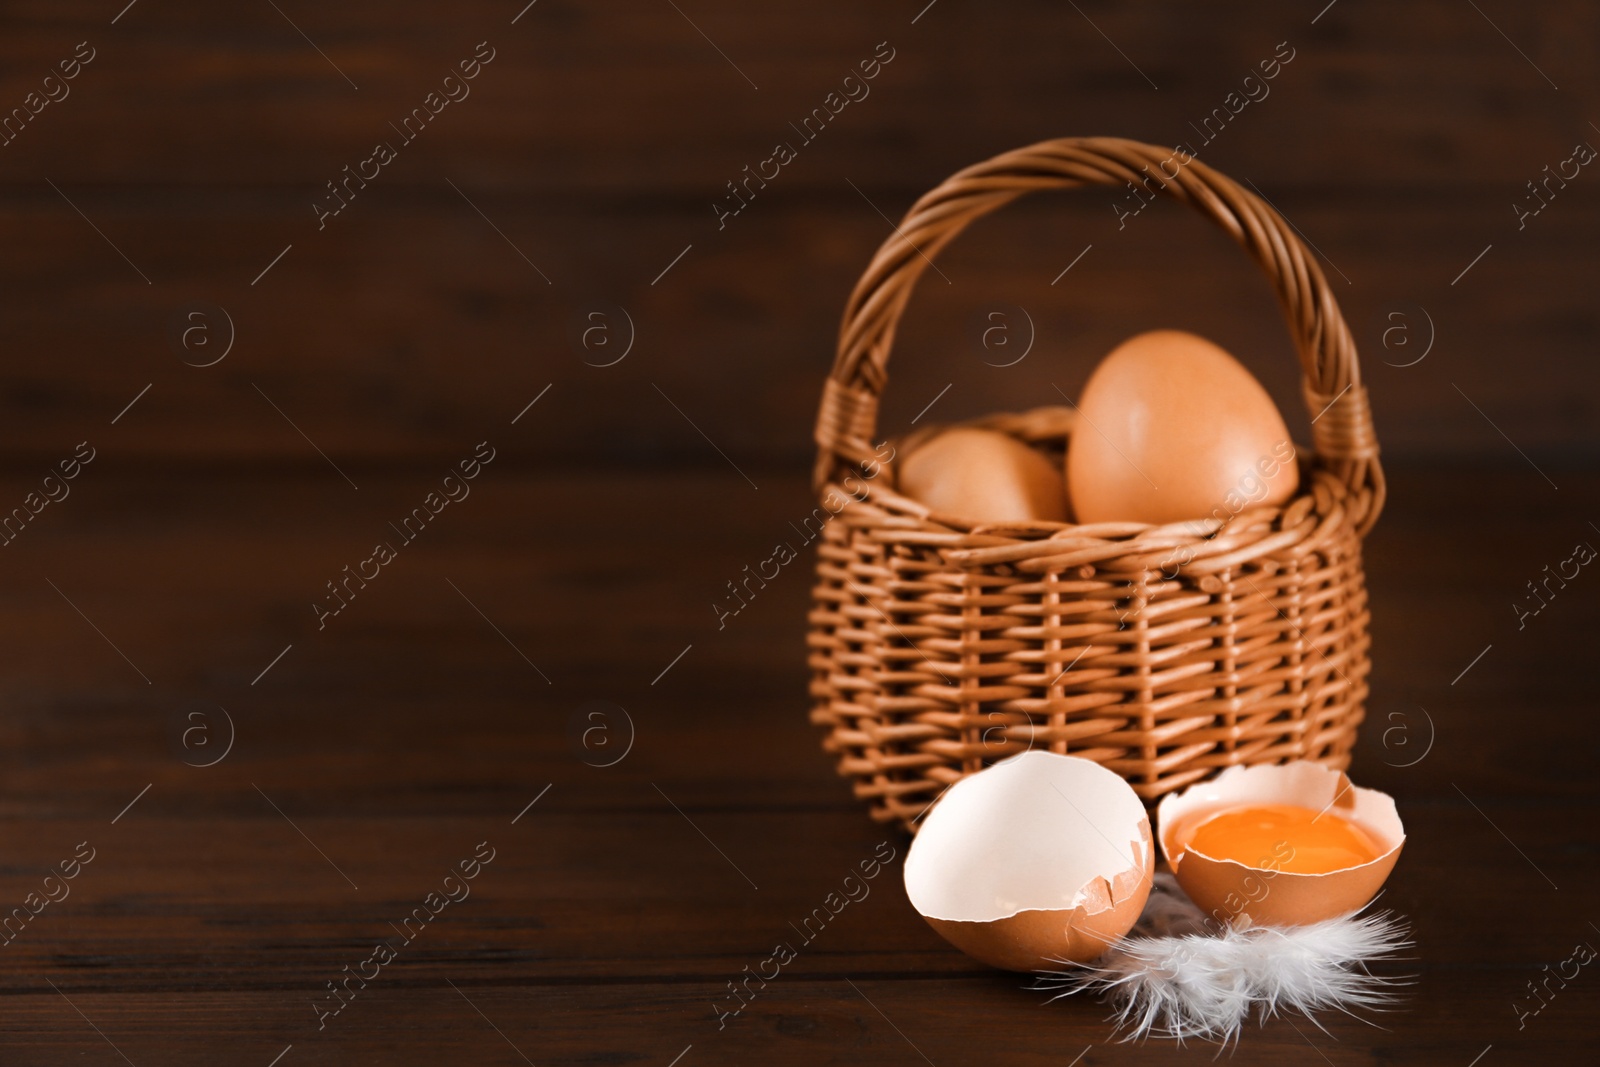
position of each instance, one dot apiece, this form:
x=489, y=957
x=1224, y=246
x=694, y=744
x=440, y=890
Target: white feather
x=1178, y=976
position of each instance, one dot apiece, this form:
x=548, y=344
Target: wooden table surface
x=637, y=870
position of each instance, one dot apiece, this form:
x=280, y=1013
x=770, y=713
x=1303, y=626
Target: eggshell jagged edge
x=1107, y=911
x=1102, y=908
x=1289, y=898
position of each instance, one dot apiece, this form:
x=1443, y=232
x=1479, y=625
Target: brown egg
x=1172, y=428
x=984, y=476
x=1038, y=860
x=1268, y=890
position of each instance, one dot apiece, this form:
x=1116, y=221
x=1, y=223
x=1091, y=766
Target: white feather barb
x=1179, y=976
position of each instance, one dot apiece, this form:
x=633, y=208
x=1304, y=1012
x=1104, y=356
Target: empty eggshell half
x=1039, y=859
x=1239, y=894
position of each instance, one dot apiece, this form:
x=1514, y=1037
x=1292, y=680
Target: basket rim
x=1304, y=522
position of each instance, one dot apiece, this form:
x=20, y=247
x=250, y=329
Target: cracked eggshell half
x=1234, y=893
x=1039, y=859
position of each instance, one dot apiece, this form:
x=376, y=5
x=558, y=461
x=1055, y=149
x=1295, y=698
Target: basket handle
x=1341, y=430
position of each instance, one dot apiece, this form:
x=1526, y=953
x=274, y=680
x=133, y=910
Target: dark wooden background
x=446, y=297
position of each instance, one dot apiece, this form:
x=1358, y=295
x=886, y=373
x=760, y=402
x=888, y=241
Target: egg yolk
x=1285, y=837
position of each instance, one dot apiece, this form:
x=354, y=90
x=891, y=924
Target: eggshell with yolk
x=1241, y=894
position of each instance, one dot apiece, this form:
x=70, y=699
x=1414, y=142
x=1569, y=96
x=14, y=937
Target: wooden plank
x=796, y=1022
x=449, y=333
x=227, y=891
x=591, y=98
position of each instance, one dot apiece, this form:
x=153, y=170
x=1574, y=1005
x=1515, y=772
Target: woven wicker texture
x=1165, y=653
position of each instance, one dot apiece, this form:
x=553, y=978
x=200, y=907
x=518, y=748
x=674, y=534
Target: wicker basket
x=937, y=647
